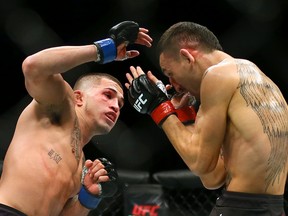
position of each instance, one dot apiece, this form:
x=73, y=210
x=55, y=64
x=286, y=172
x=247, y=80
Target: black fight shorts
x=9, y=211
x=244, y=204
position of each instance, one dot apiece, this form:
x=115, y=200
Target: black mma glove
x=107, y=189
x=126, y=31
x=147, y=98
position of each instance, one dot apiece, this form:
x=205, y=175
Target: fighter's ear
x=78, y=97
x=184, y=53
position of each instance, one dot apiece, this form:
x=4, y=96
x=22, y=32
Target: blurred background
x=252, y=29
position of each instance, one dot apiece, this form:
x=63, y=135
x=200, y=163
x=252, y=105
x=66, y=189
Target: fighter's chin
x=104, y=129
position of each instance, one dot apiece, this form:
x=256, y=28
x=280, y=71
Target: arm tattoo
x=265, y=99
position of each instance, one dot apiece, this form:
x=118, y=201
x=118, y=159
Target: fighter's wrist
x=160, y=113
x=87, y=199
x=186, y=114
x=106, y=50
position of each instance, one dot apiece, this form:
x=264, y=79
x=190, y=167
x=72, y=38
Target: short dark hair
x=188, y=34
x=96, y=78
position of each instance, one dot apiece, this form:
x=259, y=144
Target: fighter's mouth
x=112, y=116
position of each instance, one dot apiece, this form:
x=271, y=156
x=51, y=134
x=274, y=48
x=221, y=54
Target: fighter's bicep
x=51, y=90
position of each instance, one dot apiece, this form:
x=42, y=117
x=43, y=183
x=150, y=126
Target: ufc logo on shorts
x=139, y=102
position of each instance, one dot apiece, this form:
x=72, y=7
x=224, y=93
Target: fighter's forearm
x=59, y=59
x=185, y=143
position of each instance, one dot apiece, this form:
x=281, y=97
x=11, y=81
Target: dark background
x=252, y=29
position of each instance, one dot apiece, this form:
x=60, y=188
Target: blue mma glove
x=126, y=31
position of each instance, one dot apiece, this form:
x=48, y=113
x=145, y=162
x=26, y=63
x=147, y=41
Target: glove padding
x=110, y=187
x=147, y=98
x=126, y=31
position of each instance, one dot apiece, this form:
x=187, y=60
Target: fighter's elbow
x=212, y=184
x=29, y=66
x=202, y=169
x=214, y=179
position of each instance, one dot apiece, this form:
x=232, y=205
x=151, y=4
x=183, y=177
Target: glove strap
x=107, y=51
x=186, y=114
x=87, y=199
x=160, y=113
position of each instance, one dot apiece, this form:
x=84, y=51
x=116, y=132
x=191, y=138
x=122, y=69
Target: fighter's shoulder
x=221, y=78
x=226, y=65
x=225, y=69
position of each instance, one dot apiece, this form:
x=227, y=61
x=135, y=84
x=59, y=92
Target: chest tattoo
x=75, y=140
x=54, y=156
x=265, y=99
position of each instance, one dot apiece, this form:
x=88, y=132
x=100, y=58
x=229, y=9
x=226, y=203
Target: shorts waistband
x=6, y=208
x=231, y=194
x=238, y=199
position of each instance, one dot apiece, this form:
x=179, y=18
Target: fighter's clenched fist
x=99, y=180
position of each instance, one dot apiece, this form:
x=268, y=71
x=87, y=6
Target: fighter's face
x=104, y=103
x=180, y=73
